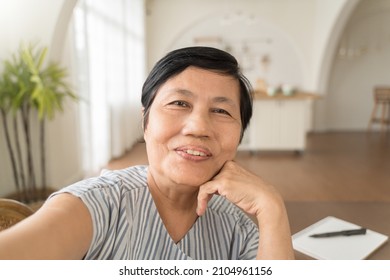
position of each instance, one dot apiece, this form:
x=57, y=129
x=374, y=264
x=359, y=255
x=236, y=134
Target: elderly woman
x=191, y=202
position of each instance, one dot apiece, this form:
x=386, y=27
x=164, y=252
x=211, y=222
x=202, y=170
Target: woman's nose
x=198, y=124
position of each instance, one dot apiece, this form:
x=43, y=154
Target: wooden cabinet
x=277, y=124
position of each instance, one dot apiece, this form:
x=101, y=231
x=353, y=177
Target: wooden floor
x=347, y=166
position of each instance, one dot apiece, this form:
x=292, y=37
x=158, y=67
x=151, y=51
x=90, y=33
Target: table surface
x=371, y=215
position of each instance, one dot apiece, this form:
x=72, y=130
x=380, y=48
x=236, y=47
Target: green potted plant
x=31, y=92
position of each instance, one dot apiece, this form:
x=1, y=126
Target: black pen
x=341, y=233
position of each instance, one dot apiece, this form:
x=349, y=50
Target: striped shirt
x=127, y=225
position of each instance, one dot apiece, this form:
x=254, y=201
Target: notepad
x=356, y=247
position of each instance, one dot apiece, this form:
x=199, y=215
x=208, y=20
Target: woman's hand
x=240, y=187
x=256, y=198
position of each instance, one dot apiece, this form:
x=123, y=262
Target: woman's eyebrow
x=217, y=99
x=177, y=92
x=183, y=91
x=223, y=99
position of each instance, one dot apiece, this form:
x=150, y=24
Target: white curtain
x=110, y=54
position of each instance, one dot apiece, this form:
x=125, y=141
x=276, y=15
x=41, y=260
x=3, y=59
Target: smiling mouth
x=194, y=152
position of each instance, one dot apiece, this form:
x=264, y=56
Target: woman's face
x=193, y=128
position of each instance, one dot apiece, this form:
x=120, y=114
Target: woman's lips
x=194, y=153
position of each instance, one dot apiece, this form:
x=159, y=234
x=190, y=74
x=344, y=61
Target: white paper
x=354, y=247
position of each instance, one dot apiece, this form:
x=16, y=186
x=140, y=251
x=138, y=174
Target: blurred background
x=334, y=51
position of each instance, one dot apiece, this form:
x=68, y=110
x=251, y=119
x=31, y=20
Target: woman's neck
x=172, y=195
x=176, y=205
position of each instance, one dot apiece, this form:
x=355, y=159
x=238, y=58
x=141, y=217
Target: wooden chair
x=12, y=212
x=382, y=101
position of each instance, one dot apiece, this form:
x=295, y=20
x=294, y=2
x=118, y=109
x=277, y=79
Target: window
x=110, y=55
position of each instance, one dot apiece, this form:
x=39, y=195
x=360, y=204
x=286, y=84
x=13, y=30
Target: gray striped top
x=126, y=223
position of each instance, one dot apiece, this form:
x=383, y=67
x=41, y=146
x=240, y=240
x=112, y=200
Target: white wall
x=167, y=20
x=26, y=21
x=251, y=40
x=326, y=48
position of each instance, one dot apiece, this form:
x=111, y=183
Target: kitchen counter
x=279, y=122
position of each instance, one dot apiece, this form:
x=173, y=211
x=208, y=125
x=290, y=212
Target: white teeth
x=196, y=153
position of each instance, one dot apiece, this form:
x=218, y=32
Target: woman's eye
x=179, y=103
x=221, y=111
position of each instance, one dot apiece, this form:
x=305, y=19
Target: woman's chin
x=192, y=181
x=182, y=174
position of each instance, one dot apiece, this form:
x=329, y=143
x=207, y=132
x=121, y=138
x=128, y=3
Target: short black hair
x=207, y=58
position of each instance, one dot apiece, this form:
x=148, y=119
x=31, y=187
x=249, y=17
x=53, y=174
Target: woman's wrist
x=271, y=210
x=274, y=227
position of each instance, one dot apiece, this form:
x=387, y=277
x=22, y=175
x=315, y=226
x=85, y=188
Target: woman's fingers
x=239, y=186
x=206, y=192
x=233, y=182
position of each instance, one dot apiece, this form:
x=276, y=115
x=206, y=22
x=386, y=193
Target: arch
x=60, y=29
x=271, y=31
x=331, y=46
x=322, y=80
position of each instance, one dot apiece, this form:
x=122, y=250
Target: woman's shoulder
x=116, y=181
x=133, y=176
